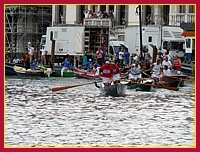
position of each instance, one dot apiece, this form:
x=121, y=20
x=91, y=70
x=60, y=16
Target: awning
x=188, y=34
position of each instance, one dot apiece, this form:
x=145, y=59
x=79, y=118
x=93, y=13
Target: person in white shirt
x=86, y=13
x=121, y=58
x=156, y=69
x=134, y=73
x=15, y=60
x=166, y=71
x=30, y=50
x=44, y=53
x=167, y=63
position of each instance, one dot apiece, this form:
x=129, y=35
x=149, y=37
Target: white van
x=114, y=47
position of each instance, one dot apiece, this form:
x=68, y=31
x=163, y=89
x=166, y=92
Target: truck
x=165, y=38
x=188, y=65
x=68, y=41
x=74, y=40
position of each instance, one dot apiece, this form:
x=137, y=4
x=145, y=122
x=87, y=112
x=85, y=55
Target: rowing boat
x=9, y=70
x=176, y=79
x=20, y=71
x=85, y=74
x=114, y=90
x=141, y=86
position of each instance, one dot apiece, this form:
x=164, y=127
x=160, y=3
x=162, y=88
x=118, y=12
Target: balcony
x=97, y=22
x=176, y=19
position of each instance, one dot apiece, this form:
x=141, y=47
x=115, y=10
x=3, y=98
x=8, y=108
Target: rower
x=134, y=73
x=106, y=72
x=157, y=69
x=116, y=73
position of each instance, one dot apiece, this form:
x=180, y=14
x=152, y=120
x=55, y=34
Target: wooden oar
x=188, y=74
x=67, y=87
x=190, y=80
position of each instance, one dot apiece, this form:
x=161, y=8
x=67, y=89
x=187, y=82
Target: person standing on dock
x=44, y=53
x=99, y=54
x=66, y=65
x=89, y=65
x=121, y=58
x=126, y=57
x=30, y=50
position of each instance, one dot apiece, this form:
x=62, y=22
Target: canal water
x=80, y=116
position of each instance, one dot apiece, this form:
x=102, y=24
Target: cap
x=90, y=59
x=107, y=62
x=112, y=63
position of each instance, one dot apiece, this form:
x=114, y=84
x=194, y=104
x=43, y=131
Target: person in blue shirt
x=66, y=65
x=33, y=64
x=71, y=67
x=89, y=65
x=126, y=56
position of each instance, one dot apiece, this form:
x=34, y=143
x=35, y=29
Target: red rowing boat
x=85, y=74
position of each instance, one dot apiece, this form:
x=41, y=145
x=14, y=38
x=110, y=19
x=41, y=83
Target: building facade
x=26, y=23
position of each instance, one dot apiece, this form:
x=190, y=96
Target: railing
x=174, y=19
x=97, y=22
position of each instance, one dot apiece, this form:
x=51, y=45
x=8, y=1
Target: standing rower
x=156, y=69
x=177, y=63
x=116, y=73
x=106, y=72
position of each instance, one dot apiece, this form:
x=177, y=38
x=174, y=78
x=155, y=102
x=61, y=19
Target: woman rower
x=177, y=63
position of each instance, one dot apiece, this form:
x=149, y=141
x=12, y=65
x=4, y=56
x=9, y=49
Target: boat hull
x=116, y=90
x=9, y=70
x=28, y=73
x=171, y=81
x=57, y=73
x=187, y=68
x=86, y=75
x=142, y=86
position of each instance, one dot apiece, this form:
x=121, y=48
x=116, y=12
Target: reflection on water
x=36, y=116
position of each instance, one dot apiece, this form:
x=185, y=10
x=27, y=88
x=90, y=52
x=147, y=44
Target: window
x=188, y=42
x=120, y=37
x=111, y=7
x=102, y=8
x=111, y=50
x=150, y=39
x=193, y=44
x=182, y=9
x=191, y=9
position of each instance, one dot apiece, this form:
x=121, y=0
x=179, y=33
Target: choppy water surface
x=36, y=116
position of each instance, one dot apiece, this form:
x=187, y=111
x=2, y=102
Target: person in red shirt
x=177, y=63
x=106, y=72
x=116, y=73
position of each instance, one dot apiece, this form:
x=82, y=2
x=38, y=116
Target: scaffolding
x=25, y=23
